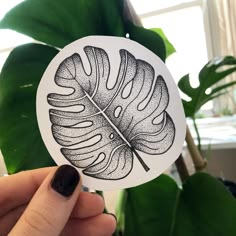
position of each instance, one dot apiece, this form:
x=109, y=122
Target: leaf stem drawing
x=146, y=168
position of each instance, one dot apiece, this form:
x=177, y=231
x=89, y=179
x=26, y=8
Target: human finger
x=50, y=208
x=100, y=225
x=8, y=221
x=18, y=189
x=103, y=224
x=88, y=205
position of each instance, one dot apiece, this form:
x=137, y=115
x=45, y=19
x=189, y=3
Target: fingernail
x=113, y=216
x=65, y=180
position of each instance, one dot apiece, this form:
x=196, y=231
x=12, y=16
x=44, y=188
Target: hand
x=48, y=202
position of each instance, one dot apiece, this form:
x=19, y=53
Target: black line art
x=101, y=129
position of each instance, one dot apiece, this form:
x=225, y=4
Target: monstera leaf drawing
x=100, y=125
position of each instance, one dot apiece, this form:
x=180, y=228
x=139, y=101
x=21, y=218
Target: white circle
x=112, y=45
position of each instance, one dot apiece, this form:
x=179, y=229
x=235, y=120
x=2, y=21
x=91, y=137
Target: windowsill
x=218, y=133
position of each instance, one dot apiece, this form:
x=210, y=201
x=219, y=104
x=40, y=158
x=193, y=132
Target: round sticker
x=109, y=107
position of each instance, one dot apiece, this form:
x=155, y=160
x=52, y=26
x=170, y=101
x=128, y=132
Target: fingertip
x=88, y=205
x=100, y=202
x=111, y=222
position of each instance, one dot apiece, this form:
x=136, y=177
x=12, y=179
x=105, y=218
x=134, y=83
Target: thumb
x=51, y=206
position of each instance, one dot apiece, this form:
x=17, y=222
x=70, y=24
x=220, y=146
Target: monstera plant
x=201, y=206
x=213, y=72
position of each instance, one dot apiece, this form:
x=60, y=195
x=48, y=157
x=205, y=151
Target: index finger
x=19, y=188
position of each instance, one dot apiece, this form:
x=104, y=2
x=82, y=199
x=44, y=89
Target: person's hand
x=48, y=202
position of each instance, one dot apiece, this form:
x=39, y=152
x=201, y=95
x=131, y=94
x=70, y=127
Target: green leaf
x=169, y=46
x=213, y=72
x=202, y=207
x=222, y=87
x=60, y=22
x=20, y=139
x=149, y=207
x=147, y=38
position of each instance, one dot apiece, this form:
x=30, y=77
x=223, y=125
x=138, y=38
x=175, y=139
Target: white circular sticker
x=109, y=107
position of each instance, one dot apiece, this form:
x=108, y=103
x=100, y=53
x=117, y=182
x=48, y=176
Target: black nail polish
x=65, y=180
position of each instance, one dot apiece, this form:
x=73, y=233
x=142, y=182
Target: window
x=185, y=24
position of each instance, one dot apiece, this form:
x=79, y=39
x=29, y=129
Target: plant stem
x=146, y=168
x=198, y=135
x=198, y=161
x=182, y=169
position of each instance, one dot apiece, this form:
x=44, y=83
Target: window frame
x=208, y=16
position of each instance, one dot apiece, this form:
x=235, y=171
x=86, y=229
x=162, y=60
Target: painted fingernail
x=113, y=216
x=65, y=180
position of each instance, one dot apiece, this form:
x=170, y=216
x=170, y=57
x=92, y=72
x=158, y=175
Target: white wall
x=3, y=169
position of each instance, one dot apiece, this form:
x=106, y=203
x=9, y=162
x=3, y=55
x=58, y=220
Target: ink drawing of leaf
x=104, y=121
